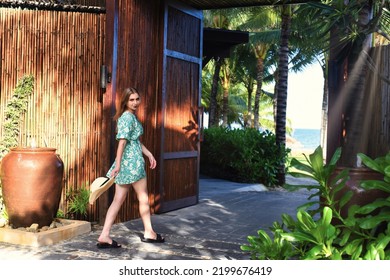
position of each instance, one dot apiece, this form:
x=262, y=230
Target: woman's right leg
x=141, y=190
x=119, y=197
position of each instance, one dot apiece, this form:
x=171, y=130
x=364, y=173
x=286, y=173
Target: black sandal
x=159, y=239
x=105, y=245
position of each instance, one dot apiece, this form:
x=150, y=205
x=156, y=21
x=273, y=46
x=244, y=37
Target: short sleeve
x=125, y=123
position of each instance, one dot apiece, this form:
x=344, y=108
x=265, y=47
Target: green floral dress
x=132, y=163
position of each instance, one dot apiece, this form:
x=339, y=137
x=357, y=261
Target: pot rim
x=361, y=169
x=33, y=150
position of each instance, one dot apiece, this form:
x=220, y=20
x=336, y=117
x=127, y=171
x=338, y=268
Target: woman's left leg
x=119, y=197
x=141, y=190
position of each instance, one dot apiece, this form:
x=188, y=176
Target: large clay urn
x=360, y=196
x=32, y=184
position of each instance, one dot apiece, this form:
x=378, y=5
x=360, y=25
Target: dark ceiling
x=221, y=4
x=218, y=42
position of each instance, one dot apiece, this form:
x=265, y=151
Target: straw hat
x=99, y=186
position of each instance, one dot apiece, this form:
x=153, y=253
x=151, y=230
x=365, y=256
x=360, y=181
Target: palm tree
x=213, y=112
x=215, y=19
x=225, y=19
x=245, y=73
x=263, y=23
x=226, y=77
x=281, y=105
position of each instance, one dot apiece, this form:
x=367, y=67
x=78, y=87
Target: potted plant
x=351, y=107
x=31, y=177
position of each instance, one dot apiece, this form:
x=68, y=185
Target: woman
x=129, y=169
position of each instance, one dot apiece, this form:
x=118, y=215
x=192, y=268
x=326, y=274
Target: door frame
x=166, y=206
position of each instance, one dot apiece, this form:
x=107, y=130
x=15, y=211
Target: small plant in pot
x=364, y=234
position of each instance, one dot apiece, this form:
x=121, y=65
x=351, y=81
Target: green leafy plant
x=319, y=230
x=241, y=155
x=60, y=214
x=13, y=112
x=377, y=213
x=328, y=185
x=78, y=202
x=263, y=247
x=314, y=239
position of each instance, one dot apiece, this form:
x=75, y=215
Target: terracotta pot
x=32, y=185
x=360, y=196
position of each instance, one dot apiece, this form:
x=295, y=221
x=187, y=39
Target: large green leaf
x=305, y=221
x=346, y=233
x=335, y=158
x=338, y=182
x=374, y=253
x=317, y=161
x=387, y=171
x=327, y=216
x=288, y=221
x=372, y=222
x=354, y=248
x=307, y=206
x=369, y=162
x=375, y=185
x=345, y=198
x=386, y=179
x=299, y=237
x=264, y=238
x=368, y=208
x=383, y=241
x=314, y=253
x=301, y=166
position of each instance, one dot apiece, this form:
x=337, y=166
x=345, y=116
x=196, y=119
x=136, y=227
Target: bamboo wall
x=63, y=51
x=377, y=125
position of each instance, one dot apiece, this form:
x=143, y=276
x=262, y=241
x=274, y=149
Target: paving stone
x=213, y=229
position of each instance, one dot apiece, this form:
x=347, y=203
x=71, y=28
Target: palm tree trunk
x=259, y=79
x=248, y=119
x=225, y=87
x=275, y=100
x=213, y=117
x=282, y=89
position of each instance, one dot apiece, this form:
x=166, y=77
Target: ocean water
x=307, y=138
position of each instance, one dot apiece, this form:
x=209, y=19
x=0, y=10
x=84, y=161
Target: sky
x=304, y=98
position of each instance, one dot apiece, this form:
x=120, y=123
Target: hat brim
x=99, y=186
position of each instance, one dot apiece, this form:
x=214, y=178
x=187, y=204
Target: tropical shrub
x=241, y=155
x=363, y=235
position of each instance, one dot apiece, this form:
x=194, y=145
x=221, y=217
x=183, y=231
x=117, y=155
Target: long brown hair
x=122, y=105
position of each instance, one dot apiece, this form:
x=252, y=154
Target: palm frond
x=267, y=37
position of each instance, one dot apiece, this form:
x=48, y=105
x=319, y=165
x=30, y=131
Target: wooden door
x=180, y=108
